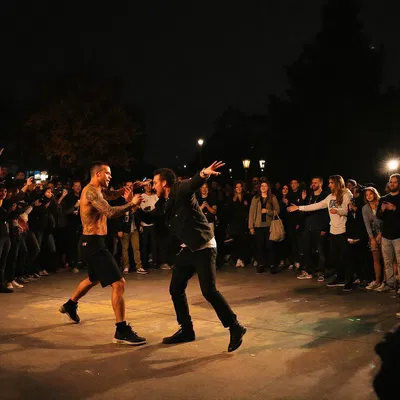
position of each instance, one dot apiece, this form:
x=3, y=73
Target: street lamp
x=246, y=166
x=393, y=165
x=262, y=164
x=200, y=142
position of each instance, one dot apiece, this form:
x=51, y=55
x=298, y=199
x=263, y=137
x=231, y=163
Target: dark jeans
x=339, y=248
x=5, y=245
x=294, y=236
x=10, y=273
x=264, y=247
x=202, y=262
x=240, y=247
x=46, y=241
x=149, y=240
x=357, y=262
x=22, y=260
x=313, y=244
x=73, y=237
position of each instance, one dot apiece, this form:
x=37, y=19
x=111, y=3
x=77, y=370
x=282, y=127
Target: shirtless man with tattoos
x=102, y=267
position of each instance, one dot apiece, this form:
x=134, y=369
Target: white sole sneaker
x=128, y=343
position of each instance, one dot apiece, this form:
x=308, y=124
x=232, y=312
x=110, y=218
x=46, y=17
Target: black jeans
x=339, y=248
x=5, y=245
x=264, y=247
x=240, y=247
x=10, y=272
x=202, y=262
x=357, y=262
x=294, y=236
x=149, y=239
x=314, y=244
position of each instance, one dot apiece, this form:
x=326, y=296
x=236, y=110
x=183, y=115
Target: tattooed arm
x=113, y=194
x=100, y=204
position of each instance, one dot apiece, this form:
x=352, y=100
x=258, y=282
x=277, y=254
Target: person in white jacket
x=337, y=204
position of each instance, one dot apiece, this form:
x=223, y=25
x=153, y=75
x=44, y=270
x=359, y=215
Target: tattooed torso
x=93, y=221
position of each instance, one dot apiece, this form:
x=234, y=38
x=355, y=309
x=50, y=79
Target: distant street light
x=393, y=165
x=200, y=142
x=184, y=166
x=246, y=166
x=262, y=164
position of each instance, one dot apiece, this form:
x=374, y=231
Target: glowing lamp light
x=184, y=166
x=200, y=142
x=230, y=170
x=393, y=165
x=262, y=163
x=246, y=163
x=44, y=176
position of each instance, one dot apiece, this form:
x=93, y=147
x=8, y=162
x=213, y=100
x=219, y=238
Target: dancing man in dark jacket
x=180, y=211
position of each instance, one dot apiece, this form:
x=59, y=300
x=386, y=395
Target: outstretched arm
x=100, y=204
x=113, y=194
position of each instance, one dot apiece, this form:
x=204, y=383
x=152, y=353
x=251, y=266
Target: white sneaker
x=43, y=272
x=165, y=267
x=10, y=286
x=373, y=285
x=238, y=263
x=291, y=267
x=16, y=285
x=297, y=265
x=255, y=264
x=398, y=314
x=75, y=271
x=141, y=271
x=304, y=275
x=383, y=288
x=126, y=271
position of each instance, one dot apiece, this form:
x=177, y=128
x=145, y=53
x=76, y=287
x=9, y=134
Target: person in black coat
x=179, y=210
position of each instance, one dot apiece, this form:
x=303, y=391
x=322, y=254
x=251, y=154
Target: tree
x=80, y=119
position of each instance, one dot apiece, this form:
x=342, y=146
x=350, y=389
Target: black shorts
x=101, y=264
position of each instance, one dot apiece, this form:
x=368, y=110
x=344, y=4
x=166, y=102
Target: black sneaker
x=237, y=333
x=71, y=311
x=128, y=336
x=181, y=336
x=348, y=287
x=5, y=289
x=336, y=283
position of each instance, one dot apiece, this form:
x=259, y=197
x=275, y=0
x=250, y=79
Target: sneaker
x=6, y=289
x=71, y=310
x=22, y=280
x=282, y=264
x=237, y=332
x=126, y=271
x=336, y=283
x=297, y=265
x=304, y=275
x=75, y=270
x=321, y=278
x=181, y=336
x=35, y=276
x=141, y=271
x=255, y=264
x=165, y=267
x=348, y=287
x=291, y=267
x=43, y=273
x=128, y=336
x=10, y=286
x=16, y=285
x=373, y=285
x=384, y=288
x=398, y=314
x=238, y=263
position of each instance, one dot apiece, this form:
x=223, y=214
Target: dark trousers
x=48, y=260
x=313, y=245
x=5, y=245
x=264, y=247
x=73, y=237
x=240, y=247
x=149, y=241
x=10, y=272
x=294, y=236
x=22, y=260
x=204, y=263
x=338, y=254
x=357, y=262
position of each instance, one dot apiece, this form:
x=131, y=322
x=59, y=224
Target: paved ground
x=304, y=341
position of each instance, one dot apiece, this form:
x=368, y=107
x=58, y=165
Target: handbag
x=277, y=230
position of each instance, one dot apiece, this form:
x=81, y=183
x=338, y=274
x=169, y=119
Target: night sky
x=182, y=65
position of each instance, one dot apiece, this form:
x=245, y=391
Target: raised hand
x=212, y=169
x=128, y=194
x=137, y=199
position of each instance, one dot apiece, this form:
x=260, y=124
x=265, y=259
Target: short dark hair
x=321, y=179
x=352, y=181
x=397, y=176
x=96, y=167
x=3, y=186
x=167, y=175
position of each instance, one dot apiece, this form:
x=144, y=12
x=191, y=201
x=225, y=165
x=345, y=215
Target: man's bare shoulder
x=90, y=193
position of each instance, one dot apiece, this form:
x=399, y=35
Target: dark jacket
x=181, y=214
x=316, y=221
x=238, y=216
x=125, y=222
x=355, y=227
